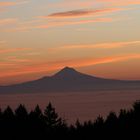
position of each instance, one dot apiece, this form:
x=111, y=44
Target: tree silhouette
x=78, y=124
x=8, y=121
x=111, y=125
x=8, y=114
x=99, y=122
x=51, y=117
x=136, y=106
x=135, y=119
x=21, y=112
x=0, y=119
x=38, y=111
x=48, y=125
x=0, y=114
x=36, y=123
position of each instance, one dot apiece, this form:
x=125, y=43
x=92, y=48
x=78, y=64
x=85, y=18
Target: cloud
x=40, y=24
x=17, y=59
x=48, y=21
x=95, y=61
x=10, y=3
x=20, y=25
x=12, y=50
x=91, y=3
x=8, y=21
x=2, y=42
x=71, y=4
x=4, y=5
x=81, y=13
x=5, y=64
x=109, y=45
x=56, y=65
x=65, y=23
x=61, y=18
x=121, y=2
x=18, y=29
x=7, y=3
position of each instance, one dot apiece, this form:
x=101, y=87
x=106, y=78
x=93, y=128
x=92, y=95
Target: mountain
x=67, y=80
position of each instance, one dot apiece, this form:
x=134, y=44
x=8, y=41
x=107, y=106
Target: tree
x=38, y=111
x=99, y=121
x=111, y=122
x=0, y=114
x=0, y=118
x=136, y=107
x=36, y=114
x=21, y=112
x=52, y=119
x=8, y=113
x=111, y=118
x=78, y=125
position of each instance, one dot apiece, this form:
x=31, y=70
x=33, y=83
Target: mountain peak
x=66, y=71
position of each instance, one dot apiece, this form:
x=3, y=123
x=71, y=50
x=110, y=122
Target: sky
x=97, y=37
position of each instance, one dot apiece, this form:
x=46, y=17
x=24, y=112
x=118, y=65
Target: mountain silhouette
x=68, y=80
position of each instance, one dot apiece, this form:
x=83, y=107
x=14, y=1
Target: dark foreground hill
x=67, y=80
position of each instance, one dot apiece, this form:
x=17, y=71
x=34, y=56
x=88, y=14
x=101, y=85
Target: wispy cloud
x=121, y=2
x=60, y=18
x=8, y=3
x=71, y=4
x=8, y=21
x=11, y=50
x=44, y=22
x=81, y=13
x=95, y=61
x=75, y=17
x=12, y=3
x=20, y=26
x=91, y=3
x=18, y=29
x=5, y=64
x=109, y=45
x=17, y=59
x=65, y=23
x=55, y=65
x=5, y=5
x=2, y=42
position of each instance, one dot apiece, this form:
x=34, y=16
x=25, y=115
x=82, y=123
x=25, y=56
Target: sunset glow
x=97, y=37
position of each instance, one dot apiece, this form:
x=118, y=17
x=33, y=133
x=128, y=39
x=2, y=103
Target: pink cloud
x=18, y=60
x=7, y=3
x=121, y=2
x=65, y=23
x=55, y=65
x=71, y=4
x=5, y=64
x=108, y=45
x=8, y=21
x=12, y=3
x=81, y=13
x=11, y=50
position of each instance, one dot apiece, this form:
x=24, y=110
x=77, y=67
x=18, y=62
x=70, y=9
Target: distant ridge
x=68, y=80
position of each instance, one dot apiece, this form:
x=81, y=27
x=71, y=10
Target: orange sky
x=97, y=37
